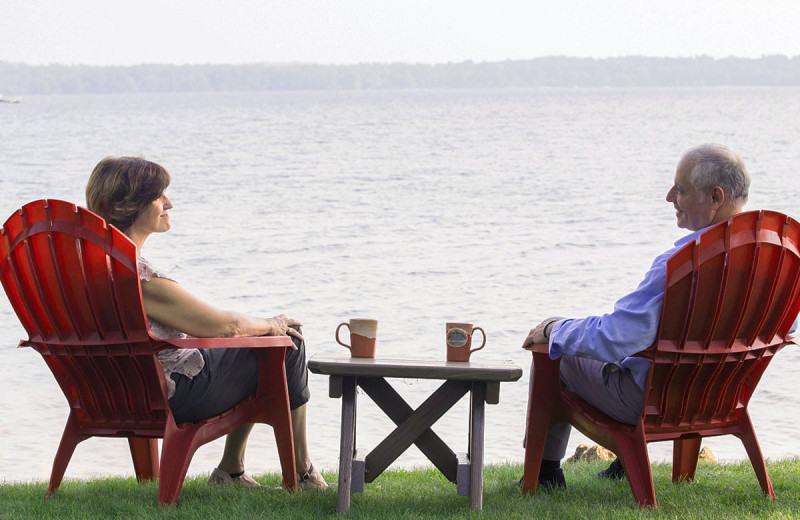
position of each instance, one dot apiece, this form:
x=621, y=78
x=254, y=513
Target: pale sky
x=125, y=32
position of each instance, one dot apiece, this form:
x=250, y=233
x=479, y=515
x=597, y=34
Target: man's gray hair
x=716, y=165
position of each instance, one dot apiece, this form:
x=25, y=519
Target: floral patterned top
x=188, y=362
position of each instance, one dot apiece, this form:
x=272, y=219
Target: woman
x=129, y=192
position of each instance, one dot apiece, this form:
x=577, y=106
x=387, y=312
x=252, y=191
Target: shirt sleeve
x=630, y=328
x=146, y=270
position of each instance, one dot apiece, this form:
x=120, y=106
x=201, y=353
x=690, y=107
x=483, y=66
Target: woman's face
x=154, y=219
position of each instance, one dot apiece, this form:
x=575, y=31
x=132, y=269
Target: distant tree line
x=20, y=79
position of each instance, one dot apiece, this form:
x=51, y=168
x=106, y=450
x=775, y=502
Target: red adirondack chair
x=731, y=298
x=74, y=284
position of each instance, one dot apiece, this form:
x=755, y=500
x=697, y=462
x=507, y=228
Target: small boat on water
x=4, y=100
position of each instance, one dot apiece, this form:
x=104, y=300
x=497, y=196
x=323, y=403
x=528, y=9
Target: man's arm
x=630, y=328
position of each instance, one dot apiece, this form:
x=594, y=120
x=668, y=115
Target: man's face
x=694, y=210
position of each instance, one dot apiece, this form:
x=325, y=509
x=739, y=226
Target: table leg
x=395, y=407
x=477, y=401
x=415, y=425
x=347, y=443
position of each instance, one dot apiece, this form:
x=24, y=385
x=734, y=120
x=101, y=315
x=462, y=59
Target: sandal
x=311, y=479
x=224, y=478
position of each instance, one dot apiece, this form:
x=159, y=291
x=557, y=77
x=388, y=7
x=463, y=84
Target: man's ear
x=717, y=196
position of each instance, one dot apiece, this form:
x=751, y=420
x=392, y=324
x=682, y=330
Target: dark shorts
x=230, y=375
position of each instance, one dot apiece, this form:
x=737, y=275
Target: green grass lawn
x=719, y=492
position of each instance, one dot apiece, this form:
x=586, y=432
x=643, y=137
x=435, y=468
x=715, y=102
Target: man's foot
x=223, y=478
x=550, y=479
x=614, y=471
x=311, y=479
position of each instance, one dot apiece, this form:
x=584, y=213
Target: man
x=711, y=185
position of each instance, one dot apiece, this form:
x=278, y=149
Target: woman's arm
x=167, y=302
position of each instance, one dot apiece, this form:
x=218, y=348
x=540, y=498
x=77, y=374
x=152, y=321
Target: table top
x=344, y=365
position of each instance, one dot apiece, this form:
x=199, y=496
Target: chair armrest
x=243, y=342
x=545, y=372
x=541, y=348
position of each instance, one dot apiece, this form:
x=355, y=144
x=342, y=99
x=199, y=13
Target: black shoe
x=614, y=471
x=551, y=479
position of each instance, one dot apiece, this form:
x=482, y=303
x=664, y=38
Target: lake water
x=497, y=207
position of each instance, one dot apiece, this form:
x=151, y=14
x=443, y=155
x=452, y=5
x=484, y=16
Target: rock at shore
x=707, y=456
x=587, y=453
x=584, y=452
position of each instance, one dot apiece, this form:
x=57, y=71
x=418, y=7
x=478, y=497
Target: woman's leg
x=309, y=476
x=299, y=394
x=232, y=461
x=301, y=457
x=228, y=377
x=212, y=392
x=297, y=379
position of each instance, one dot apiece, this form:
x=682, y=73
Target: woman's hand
x=282, y=327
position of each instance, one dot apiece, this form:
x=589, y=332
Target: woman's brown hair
x=120, y=188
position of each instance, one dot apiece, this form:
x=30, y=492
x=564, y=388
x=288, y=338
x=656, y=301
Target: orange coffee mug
x=362, y=337
x=459, y=341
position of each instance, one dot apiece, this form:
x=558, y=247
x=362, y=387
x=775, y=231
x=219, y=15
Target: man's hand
x=540, y=333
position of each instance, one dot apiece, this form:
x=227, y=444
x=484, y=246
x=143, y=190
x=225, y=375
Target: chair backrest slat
x=730, y=298
x=73, y=281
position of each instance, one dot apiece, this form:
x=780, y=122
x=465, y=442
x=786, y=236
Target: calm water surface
x=498, y=207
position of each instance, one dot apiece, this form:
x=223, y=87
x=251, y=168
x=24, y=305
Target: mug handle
x=348, y=328
x=484, y=339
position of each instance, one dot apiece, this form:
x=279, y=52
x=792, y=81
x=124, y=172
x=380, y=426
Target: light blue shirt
x=630, y=328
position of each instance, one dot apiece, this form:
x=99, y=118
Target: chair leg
x=69, y=440
x=684, y=458
x=636, y=461
x=144, y=453
x=282, y=428
x=176, y=455
x=535, y=439
x=272, y=383
x=544, y=392
x=748, y=437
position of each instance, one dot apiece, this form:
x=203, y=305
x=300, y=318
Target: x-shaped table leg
x=413, y=426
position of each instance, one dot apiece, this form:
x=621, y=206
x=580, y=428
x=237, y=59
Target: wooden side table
x=480, y=380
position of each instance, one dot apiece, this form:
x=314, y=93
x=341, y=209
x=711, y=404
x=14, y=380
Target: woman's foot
x=311, y=479
x=224, y=478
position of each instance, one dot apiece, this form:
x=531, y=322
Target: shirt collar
x=691, y=236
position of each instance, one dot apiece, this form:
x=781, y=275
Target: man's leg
x=612, y=391
x=606, y=387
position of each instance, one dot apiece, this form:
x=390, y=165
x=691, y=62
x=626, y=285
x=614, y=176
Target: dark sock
x=551, y=476
x=237, y=475
x=549, y=465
